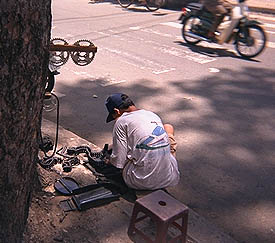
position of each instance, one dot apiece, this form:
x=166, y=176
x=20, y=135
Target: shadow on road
x=213, y=52
x=226, y=125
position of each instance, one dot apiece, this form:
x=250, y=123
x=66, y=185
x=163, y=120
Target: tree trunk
x=24, y=39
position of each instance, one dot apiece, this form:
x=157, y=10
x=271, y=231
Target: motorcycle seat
x=198, y=7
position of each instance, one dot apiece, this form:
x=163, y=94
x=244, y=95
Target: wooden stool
x=164, y=210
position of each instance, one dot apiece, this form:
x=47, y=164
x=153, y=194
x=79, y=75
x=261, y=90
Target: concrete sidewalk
x=199, y=229
x=265, y=6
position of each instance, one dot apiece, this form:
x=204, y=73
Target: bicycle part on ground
x=67, y=163
x=96, y=158
x=66, y=185
x=48, y=163
x=47, y=144
x=56, y=132
x=49, y=102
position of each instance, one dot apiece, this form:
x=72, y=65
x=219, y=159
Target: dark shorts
x=218, y=7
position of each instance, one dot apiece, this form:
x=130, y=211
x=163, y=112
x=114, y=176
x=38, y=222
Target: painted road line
x=172, y=24
x=270, y=44
x=103, y=81
x=58, y=94
x=269, y=25
x=173, y=51
x=270, y=32
x=166, y=49
x=179, y=26
x=254, y=16
x=139, y=62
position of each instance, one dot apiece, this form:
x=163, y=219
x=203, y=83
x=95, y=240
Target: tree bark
x=24, y=39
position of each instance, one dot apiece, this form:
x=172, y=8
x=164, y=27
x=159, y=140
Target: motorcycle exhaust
x=195, y=36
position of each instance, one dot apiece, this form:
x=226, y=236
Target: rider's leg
x=222, y=10
x=219, y=12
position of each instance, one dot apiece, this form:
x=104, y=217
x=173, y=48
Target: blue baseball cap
x=112, y=102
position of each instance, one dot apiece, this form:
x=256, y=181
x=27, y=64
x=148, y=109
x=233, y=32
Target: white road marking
x=254, y=16
x=157, y=33
x=270, y=32
x=178, y=25
x=140, y=62
x=172, y=24
x=181, y=53
x=58, y=94
x=100, y=80
x=269, y=25
x=270, y=44
x=104, y=82
x=164, y=71
x=135, y=28
x=213, y=70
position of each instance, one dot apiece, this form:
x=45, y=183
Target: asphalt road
x=221, y=105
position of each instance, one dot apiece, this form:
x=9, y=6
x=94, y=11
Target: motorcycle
x=246, y=34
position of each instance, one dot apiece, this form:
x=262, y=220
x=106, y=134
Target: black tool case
x=93, y=198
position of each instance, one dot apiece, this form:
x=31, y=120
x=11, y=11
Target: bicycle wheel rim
x=259, y=42
x=154, y=5
x=125, y=3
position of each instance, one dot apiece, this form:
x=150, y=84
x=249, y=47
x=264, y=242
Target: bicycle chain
x=95, y=158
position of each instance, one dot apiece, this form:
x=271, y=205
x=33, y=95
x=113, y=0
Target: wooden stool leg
x=184, y=227
x=131, y=227
x=161, y=235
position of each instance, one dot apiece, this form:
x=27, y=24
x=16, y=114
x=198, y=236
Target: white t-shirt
x=141, y=148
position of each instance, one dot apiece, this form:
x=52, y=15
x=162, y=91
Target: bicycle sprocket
x=83, y=58
x=58, y=58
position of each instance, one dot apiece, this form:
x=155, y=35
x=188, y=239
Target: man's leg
x=219, y=12
x=173, y=144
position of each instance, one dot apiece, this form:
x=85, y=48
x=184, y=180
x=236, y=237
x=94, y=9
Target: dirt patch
x=47, y=222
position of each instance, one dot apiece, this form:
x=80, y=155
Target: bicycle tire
x=125, y=3
x=154, y=5
x=187, y=27
x=242, y=44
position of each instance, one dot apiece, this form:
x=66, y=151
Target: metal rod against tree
x=59, y=47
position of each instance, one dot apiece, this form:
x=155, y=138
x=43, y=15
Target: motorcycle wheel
x=250, y=41
x=125, y=3
x=154, y=5
x=188, y=25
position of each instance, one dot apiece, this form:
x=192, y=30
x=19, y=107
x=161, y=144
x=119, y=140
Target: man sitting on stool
x=143, y=147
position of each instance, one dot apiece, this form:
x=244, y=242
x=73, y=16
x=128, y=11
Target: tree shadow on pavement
x=225, y=127
x=229, y=156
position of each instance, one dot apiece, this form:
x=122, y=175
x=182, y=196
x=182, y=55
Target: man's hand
x=107, y=159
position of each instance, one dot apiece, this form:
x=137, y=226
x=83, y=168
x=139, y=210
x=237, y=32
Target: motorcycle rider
x=220, y=8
